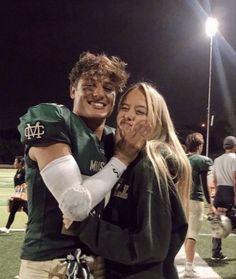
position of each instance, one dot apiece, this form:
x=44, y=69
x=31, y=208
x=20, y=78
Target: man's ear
x=72, y=92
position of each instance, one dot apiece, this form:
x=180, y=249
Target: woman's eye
x=124, y=108
x=140, y=112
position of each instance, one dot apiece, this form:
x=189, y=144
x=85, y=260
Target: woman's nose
x=129, y=115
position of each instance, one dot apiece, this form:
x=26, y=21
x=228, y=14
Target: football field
x=10, y=243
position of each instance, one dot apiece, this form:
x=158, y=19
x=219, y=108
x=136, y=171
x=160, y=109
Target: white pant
x=55, y=269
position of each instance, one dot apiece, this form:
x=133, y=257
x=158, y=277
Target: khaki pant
x=196, y=210
x=52, y=269
x=55, y=269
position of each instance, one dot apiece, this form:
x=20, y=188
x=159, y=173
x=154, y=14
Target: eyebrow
x=137, y=106
x=94, y=80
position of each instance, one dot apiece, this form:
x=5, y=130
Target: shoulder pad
x=44, y=124
x=208, y=161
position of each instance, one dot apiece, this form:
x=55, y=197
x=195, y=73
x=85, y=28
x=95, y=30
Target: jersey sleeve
x=205, y=164
x=45, y=124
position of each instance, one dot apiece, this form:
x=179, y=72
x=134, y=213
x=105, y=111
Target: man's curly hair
x=100, y=65
x=193, y=141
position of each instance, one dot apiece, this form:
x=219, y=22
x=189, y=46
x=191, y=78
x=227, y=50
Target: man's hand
x=211, y=209
x=130, y=141
x=67, y=222
x=221, y=211
x=99, y=268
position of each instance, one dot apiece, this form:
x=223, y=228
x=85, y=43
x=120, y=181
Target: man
x=200, y=167
x=224, y=180
x=61, y=147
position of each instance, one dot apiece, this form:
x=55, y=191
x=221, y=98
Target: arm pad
x=76, y=197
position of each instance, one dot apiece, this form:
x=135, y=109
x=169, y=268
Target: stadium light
x=211, y=29
x=211, y=26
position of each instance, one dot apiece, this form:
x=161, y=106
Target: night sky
x=162, y=41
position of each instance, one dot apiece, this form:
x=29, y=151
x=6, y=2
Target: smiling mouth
x=97, y=105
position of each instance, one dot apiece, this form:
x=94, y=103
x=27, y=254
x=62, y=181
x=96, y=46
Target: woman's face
x=133, y=109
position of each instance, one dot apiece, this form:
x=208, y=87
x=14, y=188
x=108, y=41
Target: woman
x=144, y=224
x=17, y=204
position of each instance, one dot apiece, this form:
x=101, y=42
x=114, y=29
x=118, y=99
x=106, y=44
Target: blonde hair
x=163, y=146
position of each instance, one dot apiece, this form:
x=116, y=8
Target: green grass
x=6, y=184
x=10, y=244
x=226, y=269
x=10, y=247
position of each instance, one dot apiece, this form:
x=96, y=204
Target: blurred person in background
x=224, y=180
x=19, y=200
x=201, y=166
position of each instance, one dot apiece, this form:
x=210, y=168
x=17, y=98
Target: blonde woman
x=145, y=223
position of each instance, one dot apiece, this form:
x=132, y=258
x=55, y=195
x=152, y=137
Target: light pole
x=211, y=29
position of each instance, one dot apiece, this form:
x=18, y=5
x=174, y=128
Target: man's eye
x=88, y=86
x=109, y=89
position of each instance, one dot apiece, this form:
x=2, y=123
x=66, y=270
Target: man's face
x=93, y=98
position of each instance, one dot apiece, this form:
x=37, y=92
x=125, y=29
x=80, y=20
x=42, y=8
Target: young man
x=224, y=180
x=200, y=167
x=64, y=150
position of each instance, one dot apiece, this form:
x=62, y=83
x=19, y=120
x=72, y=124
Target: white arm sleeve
x=76, y=197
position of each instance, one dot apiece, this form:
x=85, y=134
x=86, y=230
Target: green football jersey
x=200, y=164
x=46, y=124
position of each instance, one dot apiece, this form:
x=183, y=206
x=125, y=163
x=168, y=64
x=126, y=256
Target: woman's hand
x=130, y=141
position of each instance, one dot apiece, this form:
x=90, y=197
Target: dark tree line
x=10, y=146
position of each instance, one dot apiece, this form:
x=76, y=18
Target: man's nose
x=98, y=91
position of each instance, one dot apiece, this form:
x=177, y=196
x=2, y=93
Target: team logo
x=121, y=191
x=34, y=131
x=96, y=165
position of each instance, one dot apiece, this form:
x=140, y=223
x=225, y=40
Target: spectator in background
x=224, y=180
x=201, y=165
x=17, y=201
